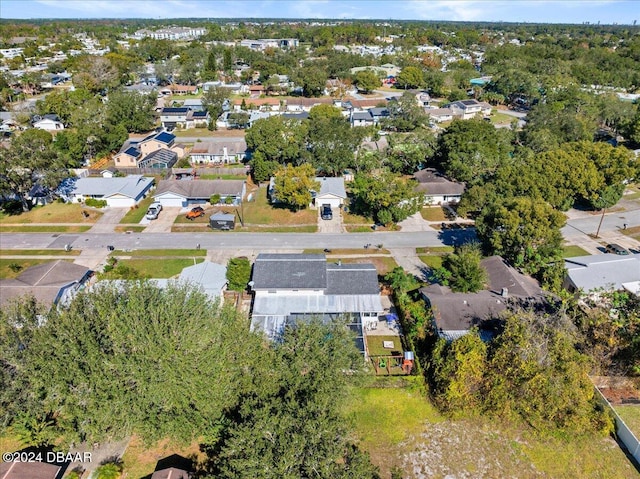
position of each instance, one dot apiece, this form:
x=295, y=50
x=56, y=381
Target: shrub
x=215, y=199
x=95, y=203
x=15, y=267
x=238, y=273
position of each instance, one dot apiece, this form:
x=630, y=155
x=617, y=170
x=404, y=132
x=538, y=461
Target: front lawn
x=38, y=252
x=140, y=461
x=53, y=213
x=383, y=264
x=155, y=268
x=571, y=251
x=433, y=262
x=160, y=252
x=633, y=232
x=349, y=218
x=43, y=229
x=260, y=212
x=135, y=214
x=433, y=213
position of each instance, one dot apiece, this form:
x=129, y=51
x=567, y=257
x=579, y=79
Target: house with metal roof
x=288, y=288
x=603, y=272
x=466, y=109
x=124, y=191
x=52, y=283
x=332, y=192
x=192, y=192
x=454, y=314
x=211, y=277
x=436, y=188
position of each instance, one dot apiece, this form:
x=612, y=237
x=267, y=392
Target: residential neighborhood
x=249, y=247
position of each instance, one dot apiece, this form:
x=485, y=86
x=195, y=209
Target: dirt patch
x=618, y=390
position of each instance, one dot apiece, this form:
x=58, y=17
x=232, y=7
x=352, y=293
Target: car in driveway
x=325, y=212
x=615, y=248
x=194, y=213
x=153, y=211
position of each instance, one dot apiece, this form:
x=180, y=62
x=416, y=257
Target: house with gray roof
x=192, y=192
x=28, y=470
x=332, y=192
x=124, y=191
x=288, y=288
x=454, y=314
x=219, y=152
x=211, y=277
x=52, y=283
x=436, y=188
x=603, y=272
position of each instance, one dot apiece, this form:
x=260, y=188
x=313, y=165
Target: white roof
x=284, y=305
x=211, y=276
x=608, y=271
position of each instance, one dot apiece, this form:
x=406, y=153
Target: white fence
x=624, y=434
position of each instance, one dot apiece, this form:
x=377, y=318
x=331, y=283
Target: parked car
x=616, y=249
x=153, y=211
x=326, y=213
x=196, y=212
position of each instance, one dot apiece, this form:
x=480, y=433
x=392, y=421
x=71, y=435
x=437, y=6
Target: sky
x=532, y=11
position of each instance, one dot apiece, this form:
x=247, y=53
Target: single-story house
x=607, y=272
x=212, y=277
x=454, y=314
x=288, y=288
x=124, y=191
x=332, y=192
x=232, y=151
x=53, y=283
x=466, y=109
x=437, y=189
x=28, y=470
x=192, y=192
x=49, y=122
x=440, y=114
x=183, y=89
x=194, y=103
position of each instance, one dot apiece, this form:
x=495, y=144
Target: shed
x=222, y=221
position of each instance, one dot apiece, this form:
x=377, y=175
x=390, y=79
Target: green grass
x=433, y=262
x=571, y=251
x=161, y=252
x=383, y=264
x=358, y=229
x=154, y=268
x=347, y=251
x=630, y=414
x=260, y=212
x=135, y=215
x=435, y=250
x=353, y=219
x=498, y=118
x=277, y=229
x=53, y=213
x=393, y=422
x=433, y=213
x=43, y=229
x=38, y=252
x=10, y=443
x=633, y=232
x=6, y=272
x=375, y=346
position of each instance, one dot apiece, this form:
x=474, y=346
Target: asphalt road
x=234, y=241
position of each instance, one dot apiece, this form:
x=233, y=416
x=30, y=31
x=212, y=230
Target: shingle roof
x=501, y=275
x=199, y=189
x=217, y=147
x=290, y=271
x=131, y=186
x=28, y=470
x=361, y=116
x=352, y=279
x=170, y=473
x=432, y=182
x=211, y=276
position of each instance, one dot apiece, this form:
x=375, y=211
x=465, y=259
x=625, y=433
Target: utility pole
x=600, y=224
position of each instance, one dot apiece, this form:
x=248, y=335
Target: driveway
x=109, y=220
x=164, y=222
x=334, y=225
x=415, y=222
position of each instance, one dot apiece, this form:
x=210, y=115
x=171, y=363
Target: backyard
x=398, y=426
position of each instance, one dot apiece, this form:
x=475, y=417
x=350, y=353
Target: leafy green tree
x=466, y=273
x=124, y=358
x=408, y=152
x=410, y=77
x=213, y=101
x=312, y=79
x=290, y=426
x=132, y=110
x=366, y=81
x=331, y=141
x=29, y=159
x=278, y=139
x=472, y=150
x=525, y=231
x=262, y=169
x=110, y=470
x=96, y=74
x=238, y=273
x=405, y=114
x=294, y=184
x=385, y=196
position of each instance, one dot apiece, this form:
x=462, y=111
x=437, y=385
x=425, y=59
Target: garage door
x=169, y=202
x=334, y=202
x=120, y=202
